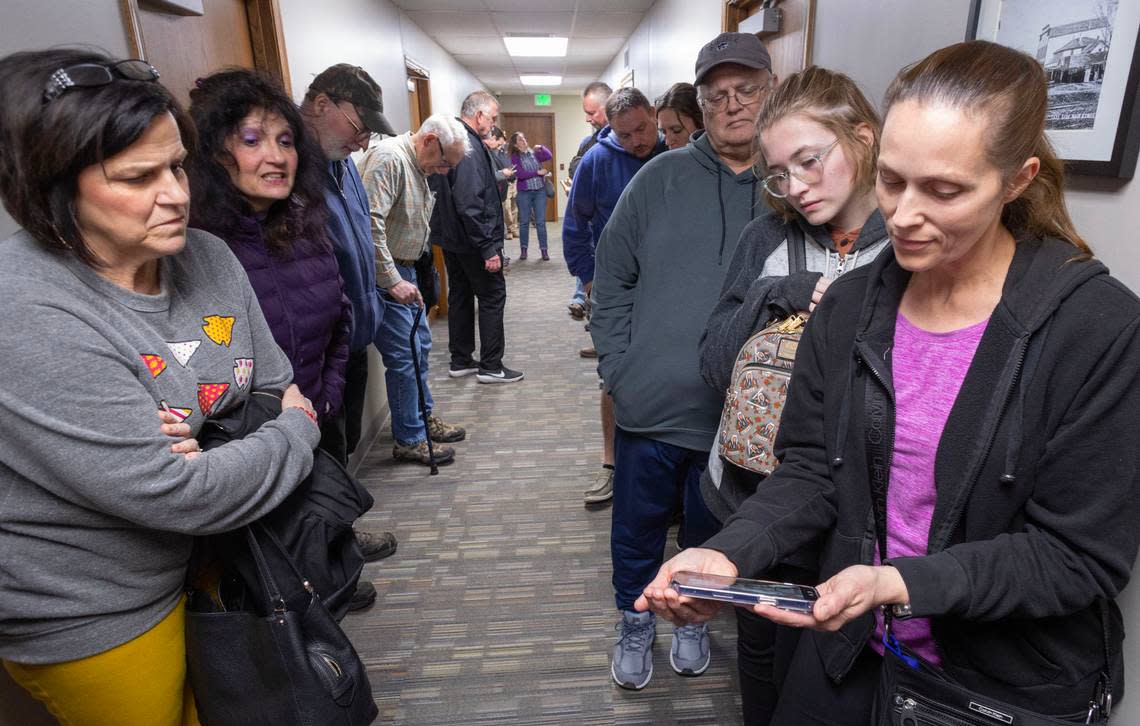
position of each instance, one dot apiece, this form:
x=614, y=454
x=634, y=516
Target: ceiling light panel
x=541, y=80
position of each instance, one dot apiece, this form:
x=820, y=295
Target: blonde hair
x=1007, y=88
x=832, y=100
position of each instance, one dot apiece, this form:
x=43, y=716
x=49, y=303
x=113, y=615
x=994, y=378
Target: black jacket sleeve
x=470, y=193
x=748, y=301
x=796, y=505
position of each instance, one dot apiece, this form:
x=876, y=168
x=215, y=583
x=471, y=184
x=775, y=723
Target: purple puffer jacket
x=303, y=299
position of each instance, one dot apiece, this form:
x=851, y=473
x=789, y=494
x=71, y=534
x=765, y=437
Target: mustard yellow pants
x=139, y=683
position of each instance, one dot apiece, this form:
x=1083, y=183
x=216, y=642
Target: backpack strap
x=797, y=247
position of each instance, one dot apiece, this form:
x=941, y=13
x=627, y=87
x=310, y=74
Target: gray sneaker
x=632, y=664
x=689, y=654
x=603, y=488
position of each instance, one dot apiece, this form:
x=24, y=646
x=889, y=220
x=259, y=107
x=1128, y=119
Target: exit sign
x=542, y=99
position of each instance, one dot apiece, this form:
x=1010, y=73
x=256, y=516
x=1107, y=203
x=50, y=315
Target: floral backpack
x=758, y=388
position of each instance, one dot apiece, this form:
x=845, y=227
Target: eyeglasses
x=809, y=170
x=358, y=132
x=93, y=75
x=443, y=157
x=745, y=96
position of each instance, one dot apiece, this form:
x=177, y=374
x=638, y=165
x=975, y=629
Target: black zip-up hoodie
x=1038, y=489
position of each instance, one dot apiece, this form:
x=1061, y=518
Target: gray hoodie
x=661, y=262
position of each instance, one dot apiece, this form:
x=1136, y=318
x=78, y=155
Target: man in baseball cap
x=688, y=208
x=342, y=108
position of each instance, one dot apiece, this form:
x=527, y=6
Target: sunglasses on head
x=93, y=75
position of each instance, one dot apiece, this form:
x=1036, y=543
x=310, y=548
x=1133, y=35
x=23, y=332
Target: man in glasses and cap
x=660, y=264
x=343, y=107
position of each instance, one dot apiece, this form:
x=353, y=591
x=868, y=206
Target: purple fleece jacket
x=540, y=153
x=302, y=297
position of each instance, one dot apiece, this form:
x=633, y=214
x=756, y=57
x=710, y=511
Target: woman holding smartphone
x=969, y=401
x=818, y=138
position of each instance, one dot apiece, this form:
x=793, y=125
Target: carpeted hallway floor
x=497, y=608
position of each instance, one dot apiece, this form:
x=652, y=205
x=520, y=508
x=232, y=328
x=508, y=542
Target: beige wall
x=569, y=129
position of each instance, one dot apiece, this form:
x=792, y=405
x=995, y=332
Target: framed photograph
x=1091, y=53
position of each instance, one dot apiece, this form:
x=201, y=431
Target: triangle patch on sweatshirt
x=184, y=350
x=208, y=395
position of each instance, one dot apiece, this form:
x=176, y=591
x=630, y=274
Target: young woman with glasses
x=959, y=440
x=818, y=139
x=122, y=330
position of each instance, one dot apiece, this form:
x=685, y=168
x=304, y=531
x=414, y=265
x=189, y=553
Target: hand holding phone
x=742, y=591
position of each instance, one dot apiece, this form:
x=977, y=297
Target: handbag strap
x=797, y=247
x=878, y=453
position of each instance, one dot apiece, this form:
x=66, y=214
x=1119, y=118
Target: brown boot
x=443, y=432
x=418, y=454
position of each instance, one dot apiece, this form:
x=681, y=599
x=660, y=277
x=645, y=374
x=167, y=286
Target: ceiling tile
x=453, y=23
x=611, y=6
x=459, y=45
x=471, y=5
x=608, y=47
x=606, y=25
x=534, y=22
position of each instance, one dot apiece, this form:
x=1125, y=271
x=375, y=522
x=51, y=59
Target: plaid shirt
x=399, y=202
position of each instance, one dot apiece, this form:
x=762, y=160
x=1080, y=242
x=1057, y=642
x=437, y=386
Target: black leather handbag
x=282, y=660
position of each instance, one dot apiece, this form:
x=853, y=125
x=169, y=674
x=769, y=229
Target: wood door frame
x=553, y=149
x=266, y=37
x=782, y=43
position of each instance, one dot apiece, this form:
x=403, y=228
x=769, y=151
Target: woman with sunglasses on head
x=960, y=433
x=257, y=181
x=679, y=115
x=120, y=335
x=530, y=178
x=819, y=139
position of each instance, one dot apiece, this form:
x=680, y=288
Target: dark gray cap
x=742, y=48
x=344, y=82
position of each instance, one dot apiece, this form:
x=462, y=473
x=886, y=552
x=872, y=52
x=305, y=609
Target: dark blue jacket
x=598, y=183
x=350, y=228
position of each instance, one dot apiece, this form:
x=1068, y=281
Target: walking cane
x=420, y=386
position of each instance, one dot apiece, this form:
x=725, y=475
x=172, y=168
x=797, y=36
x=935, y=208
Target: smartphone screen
x=784, y=595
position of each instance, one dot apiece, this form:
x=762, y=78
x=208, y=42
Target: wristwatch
x=901, y=611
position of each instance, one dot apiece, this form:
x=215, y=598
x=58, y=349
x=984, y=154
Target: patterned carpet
x=497, y=608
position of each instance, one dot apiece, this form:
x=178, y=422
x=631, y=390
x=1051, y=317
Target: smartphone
x=783, y=595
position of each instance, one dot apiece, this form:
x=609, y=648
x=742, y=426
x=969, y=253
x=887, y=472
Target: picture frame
x=1091, y=53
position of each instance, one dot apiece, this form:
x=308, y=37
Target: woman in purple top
x=959, y=440
x=531, y=181
x=257, y=183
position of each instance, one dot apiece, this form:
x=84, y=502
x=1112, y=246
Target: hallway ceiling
x=472, y=31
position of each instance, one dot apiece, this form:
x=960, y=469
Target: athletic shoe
x=363, y=596
x=689, y=655
x=418, y=453
x=503, y=375
x=577, y=310
x=375, y=546
x=632, y=664
x=603, y=489
x=590, y=352
x=462, y=371
x=443, y=432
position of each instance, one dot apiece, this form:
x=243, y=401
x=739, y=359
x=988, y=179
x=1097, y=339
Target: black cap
x=344, y=82
x=742, y=48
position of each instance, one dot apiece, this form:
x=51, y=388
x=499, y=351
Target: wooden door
x=538, y=129
x=184, y=48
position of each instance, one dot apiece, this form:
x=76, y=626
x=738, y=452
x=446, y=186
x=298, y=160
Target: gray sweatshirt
x=97, y=514
x=660, y=265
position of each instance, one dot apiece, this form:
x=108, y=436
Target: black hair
x=497, y=133
x=44, y=146
x=681, y=98
x=218, y=103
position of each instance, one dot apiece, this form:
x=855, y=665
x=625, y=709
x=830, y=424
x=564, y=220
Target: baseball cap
x=344, y=82
x=742, y=48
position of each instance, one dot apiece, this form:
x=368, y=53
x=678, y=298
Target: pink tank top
x=928, y=370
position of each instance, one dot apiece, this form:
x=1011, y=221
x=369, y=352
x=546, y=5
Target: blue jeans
x=399, y=371
x=532, y=204
x=579, y=295
x=651, y=478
